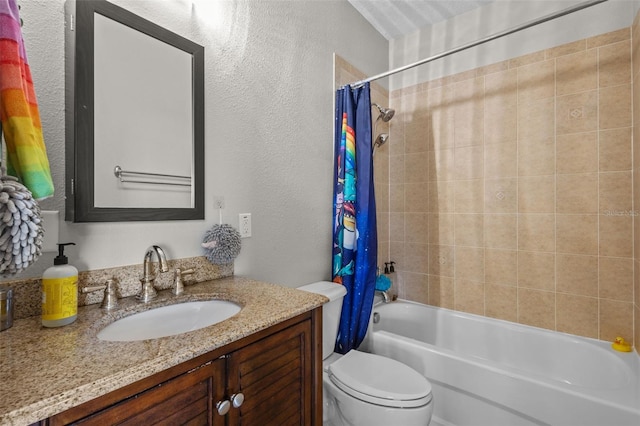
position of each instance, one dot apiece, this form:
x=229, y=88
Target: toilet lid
x=379, y=380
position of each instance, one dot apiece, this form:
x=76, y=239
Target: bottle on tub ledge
x=385, y=282
x=60, y=291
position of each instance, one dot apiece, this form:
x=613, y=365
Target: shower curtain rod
x=495, y=36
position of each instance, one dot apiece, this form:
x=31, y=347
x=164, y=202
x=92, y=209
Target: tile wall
x=510, y=189
x=635, y=55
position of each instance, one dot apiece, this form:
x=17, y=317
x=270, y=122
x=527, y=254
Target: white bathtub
x=492, y=372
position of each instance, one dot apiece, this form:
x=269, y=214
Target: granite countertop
x=46, y=371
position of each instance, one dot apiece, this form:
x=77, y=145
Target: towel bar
x=118, y=172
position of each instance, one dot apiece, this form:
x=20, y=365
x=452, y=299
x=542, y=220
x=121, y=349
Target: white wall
x=269, y=129
x=495, y=17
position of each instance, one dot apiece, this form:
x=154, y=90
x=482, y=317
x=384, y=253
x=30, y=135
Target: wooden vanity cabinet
x=278, y=371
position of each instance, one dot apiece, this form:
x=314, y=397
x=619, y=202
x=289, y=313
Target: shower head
x=386, y=114
x=380, y=140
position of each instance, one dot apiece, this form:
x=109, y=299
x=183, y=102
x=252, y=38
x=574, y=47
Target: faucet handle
x=178, y=284
x=110, y=299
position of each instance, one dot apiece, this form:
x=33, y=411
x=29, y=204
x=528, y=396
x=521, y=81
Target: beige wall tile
x=608, y=38
x=577, y=113
x=615, y=107
x=469, y=162
x=616, y=278
x=417, y=227
x=537, y=194
x=636, y=284
x=501, y=267
x=501, y=231
x=615, y=191
x=416, y=197
x=614, y=63
x=566, y=49
x=577, y=274
x=396, y=167
x=441, y=196
x=577, y=234
x=492, y=68
x=536, y=81
x=615, y=150
x=396, y=198
x=441, y=260
x=382, y=197
x=616, y=236
x=526, y=59
x=500, y=117
x=396, y=252
x=577, y=315
x=536, y=157
x=469, y=196
x=469, y=112
x=577, y=72
x=441, y=229
x=501, y=160
x=577, y=153
x=577, y=193
x=501, y=195
x=469, y=230
x=536, y=119
x=536, y=308
x=469, y=263
x=441, y=164
x=396, y=132
x=616, y=319
x=536, y=232
x=442, y=119
x=469, y=296
x=415, y=287
x=637, y=329
x=417, y=131
x=501, y=302
x=416, y=167
x=416, y=258
x=441, y=291
x=536, y=270
x=396, y=226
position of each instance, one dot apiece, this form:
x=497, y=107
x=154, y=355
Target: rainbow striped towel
x=26, y=152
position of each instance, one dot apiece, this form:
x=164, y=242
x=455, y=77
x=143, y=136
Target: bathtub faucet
x=385, y=296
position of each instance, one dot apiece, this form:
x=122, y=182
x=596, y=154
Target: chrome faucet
x=148, y=292
x=385, y=296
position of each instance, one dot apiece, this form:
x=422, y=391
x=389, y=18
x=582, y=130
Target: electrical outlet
x=245, y=225
x=218, y=202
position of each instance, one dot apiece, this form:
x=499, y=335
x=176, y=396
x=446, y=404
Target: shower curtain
x=355, y=239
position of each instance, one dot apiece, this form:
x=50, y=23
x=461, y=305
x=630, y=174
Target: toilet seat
x=379, y=380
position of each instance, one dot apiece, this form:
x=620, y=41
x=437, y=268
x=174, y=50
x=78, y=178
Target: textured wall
x=269, y=128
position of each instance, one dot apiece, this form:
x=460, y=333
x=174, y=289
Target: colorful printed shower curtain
x=355, y=239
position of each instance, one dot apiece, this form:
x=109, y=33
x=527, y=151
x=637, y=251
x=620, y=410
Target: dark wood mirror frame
x=79, y=156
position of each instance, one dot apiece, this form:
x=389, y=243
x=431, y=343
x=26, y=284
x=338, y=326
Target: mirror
x=134, y=118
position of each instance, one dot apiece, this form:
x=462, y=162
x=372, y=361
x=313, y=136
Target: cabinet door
x=275, y=376
x=188, y=399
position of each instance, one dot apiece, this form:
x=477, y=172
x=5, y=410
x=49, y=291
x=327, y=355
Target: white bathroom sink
x=169, y=320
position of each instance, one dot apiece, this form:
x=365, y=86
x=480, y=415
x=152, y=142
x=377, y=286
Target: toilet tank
x=330, y=311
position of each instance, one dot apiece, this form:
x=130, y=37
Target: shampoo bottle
x=60, y=291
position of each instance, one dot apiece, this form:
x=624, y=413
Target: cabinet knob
x=223, y=407
x=237, y=399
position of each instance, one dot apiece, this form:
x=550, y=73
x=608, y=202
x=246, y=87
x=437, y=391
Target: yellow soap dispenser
x=60, y=291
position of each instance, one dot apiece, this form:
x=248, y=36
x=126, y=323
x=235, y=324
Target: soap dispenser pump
x=60, y=291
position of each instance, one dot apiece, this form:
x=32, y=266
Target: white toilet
x=360, y=388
